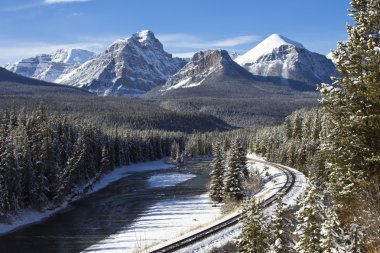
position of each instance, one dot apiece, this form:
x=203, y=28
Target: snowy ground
x=28, y=217
x=163, y=221
x=269, y=189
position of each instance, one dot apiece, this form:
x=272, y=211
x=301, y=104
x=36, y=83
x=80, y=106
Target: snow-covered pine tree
x=105, y=162
x=243, y=159
x=217, y=175
x=175, y=153
x=254, y=237
x=309, y=218
x=332, y=236
x=352, y=142
x=233, y=174
x=280, y=230
x=355, y=240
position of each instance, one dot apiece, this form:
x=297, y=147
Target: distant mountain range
x=138, y=64
x=49, y=67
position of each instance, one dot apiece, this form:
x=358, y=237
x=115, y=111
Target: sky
x=30, y=27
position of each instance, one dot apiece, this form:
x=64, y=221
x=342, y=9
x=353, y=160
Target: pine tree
x=217, y=175
x=355, y=240
x=280, y=228
x=254, y=236
x=243, y=159
x=233, y=175
x=309, y=218
x=332, y=236
x=352, y=142
x=105, y=163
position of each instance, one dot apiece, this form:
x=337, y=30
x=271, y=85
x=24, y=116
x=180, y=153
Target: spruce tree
x=354, y=240
x=217, y=175
x=309, y=218
x=352, y=141
x=332, y=236
x=233, y=175
x=280, y=229
x=254, y=237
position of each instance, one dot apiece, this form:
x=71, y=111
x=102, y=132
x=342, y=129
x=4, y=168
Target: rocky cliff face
x=278, y=56
x=129, y=67
x=203, y=66
x=49, y=67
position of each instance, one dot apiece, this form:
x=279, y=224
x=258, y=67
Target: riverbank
x=28, y=217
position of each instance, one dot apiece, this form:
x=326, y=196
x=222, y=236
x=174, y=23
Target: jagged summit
x=130, y=66
x=278, y=56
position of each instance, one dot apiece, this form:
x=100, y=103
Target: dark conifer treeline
x=46, y=158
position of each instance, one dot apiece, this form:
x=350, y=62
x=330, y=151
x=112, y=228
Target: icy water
x=104, y=213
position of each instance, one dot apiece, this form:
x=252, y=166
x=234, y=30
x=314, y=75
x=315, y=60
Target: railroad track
x=290, y=180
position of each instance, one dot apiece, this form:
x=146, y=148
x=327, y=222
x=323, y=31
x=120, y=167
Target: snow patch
x=167, y=180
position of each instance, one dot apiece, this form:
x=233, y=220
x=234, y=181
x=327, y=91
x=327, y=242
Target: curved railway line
x=180, y=244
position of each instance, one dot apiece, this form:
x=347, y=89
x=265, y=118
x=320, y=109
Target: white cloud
x=184, y=55
x=64, y=1
x=37, y=4
x=189, y=41
x=180, y=45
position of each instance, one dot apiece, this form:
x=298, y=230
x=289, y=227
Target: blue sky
x=29, y=27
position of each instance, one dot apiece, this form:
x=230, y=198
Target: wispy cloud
x=64, y=1
x=37, y=4
x=194, y=42
x=180, y=45
x=184, y=55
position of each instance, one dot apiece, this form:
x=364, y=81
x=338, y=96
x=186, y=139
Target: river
x=107, y=212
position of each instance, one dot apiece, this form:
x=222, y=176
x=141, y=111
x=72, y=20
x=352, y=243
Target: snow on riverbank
x=163, y=221
x=28, y=217
x=167, y=180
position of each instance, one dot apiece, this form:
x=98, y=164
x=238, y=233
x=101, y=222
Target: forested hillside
x=45, y=158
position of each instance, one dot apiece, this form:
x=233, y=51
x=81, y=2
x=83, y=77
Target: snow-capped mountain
x=331, y=57
x=129, y=67
x=279, y=56
x=204, y=66
x=49, y=67
x=234, y=54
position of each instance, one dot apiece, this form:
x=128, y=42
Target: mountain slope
x=203, y=68
x=49, y=67
x=12, y=84
x=278, y=56
x=130, y=66
x=213, y=83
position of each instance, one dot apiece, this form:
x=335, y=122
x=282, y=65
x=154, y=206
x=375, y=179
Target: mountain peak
x=212, y=56
x=204, y=66
x=144, y=35
x=279, y=56
x=276, y=40
x=267, y=46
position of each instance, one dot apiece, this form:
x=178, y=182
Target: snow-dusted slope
x=203, y=66
x=129, y=66
x=279, y=56
x=49, y=67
